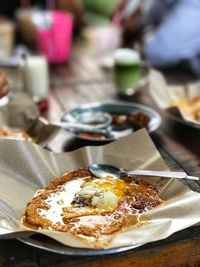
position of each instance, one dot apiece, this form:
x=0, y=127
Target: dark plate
x=175, y=114
x=188, y=123
x=48, y=244
x=116, y=107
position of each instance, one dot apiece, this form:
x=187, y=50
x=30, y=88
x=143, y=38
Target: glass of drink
x=34, y=74
x=127, y=70
x=7, y=30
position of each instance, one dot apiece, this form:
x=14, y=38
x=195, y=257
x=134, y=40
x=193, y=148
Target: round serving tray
x=51, y=245
x=114, y=107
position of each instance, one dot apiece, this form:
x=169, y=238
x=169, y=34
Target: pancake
x=90, y=208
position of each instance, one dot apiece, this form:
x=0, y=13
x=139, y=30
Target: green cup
x=127, y=71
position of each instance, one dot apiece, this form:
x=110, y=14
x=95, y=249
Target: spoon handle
x=81, y=127
x=166, y=174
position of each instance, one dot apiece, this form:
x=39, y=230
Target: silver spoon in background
x=96, y=122
x=104, y=170
x=90, y=122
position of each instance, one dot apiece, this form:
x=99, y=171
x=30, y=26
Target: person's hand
x=131, y=26
x=131, y=20
x=4, y=85
x=74, y=7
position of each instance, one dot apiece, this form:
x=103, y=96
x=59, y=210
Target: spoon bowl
x=96, y=119
x=104, y=170
x=88, y=122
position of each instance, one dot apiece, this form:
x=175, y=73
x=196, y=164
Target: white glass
x=4, y=101
x=34, y=73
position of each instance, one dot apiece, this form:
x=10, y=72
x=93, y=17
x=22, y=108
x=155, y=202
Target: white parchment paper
x=22, y=114
x=25, y=168
x=166, y=96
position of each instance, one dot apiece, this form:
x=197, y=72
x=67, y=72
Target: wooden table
x=82, y=81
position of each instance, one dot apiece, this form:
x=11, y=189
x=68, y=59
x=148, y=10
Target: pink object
x=54, y=42
x=116, y=21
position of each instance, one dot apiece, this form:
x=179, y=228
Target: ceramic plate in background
x=115, y=107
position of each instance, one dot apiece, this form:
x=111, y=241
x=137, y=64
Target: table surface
x=82, y=81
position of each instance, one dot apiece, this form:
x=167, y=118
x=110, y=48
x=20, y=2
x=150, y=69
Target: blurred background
x=127, y=38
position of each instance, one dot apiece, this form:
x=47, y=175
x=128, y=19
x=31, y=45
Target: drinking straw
x=117, y=18
x=24, y=56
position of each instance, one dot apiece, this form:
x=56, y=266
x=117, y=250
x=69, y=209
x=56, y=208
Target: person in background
x=8, y=8
x=176, y=35
x=4, y=85
x=76, y=8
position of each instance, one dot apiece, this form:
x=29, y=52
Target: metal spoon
x=90, y=122
x=103, y=170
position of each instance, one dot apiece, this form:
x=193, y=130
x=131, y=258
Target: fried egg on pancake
x=96, y=196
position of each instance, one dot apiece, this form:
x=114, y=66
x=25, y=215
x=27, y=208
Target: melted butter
x=60, y=199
